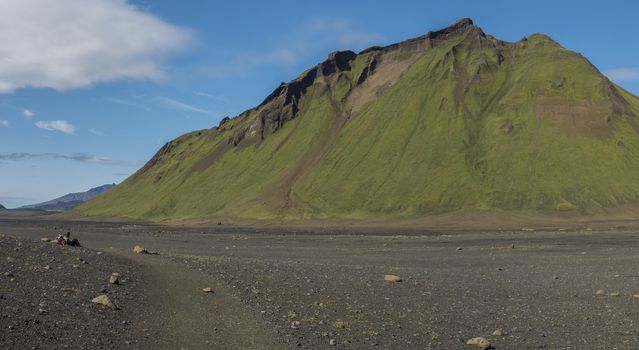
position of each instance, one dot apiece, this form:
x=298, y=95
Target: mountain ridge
x=454, y=119
x=69, y=201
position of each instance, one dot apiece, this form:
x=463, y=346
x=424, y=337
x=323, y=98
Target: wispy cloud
x=219, y=98
x=5, y=123
x=313, y=36
x=96, y=132
x=623, y=74
x=57, y=125
x=337, y=33
x=28, y=113
x=179, y=105
x=66, y=44
x=129, y=103
x=79, y=157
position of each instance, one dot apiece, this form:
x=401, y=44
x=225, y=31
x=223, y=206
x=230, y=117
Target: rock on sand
x=392, y=278
x=139, y=250
x=104, y=300
x=479, y=342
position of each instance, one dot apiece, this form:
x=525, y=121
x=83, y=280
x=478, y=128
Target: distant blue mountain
x=69, y=201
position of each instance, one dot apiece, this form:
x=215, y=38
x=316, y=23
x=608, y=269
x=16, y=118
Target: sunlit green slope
x=455, y=119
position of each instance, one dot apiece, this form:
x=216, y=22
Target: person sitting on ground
x=66, y=239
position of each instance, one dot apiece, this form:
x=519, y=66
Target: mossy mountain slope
x=454, y=119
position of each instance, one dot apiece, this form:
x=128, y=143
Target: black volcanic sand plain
x=277, y=289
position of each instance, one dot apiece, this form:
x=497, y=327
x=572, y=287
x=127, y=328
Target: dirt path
x=184, y=317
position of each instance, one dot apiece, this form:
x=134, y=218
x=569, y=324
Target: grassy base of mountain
x=472, y=125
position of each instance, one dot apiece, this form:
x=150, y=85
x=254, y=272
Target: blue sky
x=90, y=89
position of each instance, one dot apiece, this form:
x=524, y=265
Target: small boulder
x=45, y=239
x=114, y=278
x=139, y=250
x=600, y=292
x=104, y=300
x=480, y=343
x=498, y=333
x=207, y=290
x=392, y=278
x=615, y=294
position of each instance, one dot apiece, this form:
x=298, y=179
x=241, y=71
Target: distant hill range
x=69, y=201
x=2, y=207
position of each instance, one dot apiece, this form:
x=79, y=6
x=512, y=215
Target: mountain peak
x=464, y=22
x=459, y=27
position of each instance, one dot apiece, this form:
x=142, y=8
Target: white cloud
x=67, y=44
x=219, y=98
x=96, y=132
x=175, y=104
x=78, y=157
x=28, y=113
x=623, y=74
x=120, y=101
x=5, y=123
x=56, y=125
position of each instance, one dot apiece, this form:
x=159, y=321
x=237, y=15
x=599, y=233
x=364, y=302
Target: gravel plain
x=276, y=288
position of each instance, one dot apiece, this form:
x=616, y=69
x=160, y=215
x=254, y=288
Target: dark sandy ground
x=285, y=289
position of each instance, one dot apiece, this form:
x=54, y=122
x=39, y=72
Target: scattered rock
x=600, y=292
x=498, y=333
x=527, y=229
x=459, y=249
x=615, y=294
x=480, y=343
x=114, y=278
x=392, y=278
x=47, y=267
x=207, y=290
x=104, y=300
x=45, y=239
x=555, y=277
x=295, y=324
x=332, y=342
x=139, y=250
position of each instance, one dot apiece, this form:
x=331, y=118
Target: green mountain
x=452, y=120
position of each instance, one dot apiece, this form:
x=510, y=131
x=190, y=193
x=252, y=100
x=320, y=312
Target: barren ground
x=279, y=289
